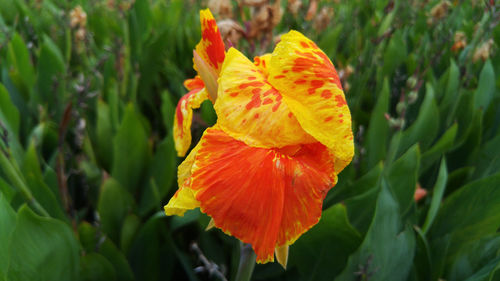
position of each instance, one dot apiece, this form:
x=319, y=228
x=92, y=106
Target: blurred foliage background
x=88, y=90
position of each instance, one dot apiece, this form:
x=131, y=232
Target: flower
x=282, y=136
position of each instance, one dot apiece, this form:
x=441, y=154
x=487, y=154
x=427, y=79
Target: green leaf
x=9, y=115
x=35, y=181
x=95, y=267
x=322, y=252
x=360, y=186
x=388, y=248
x=451, y=92
x=437, y=196
x=402, y=177
x=42, y=249
x=94, y=241
x=50, y=76
x=131, y=152
x=486, y=88
x=162, y=174
x=445, y=143
x=167, y=110
x=395, y=53
x=473, y=256
x=470, y=213
x=425, y=128
x=7, y=225
x=22, y=71
x=151, y=251
x=104, y=133
x=114, y=204
x=378, y=130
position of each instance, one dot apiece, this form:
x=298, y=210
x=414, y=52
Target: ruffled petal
x=250, y=109
x=310, y=176
x=311, y=88
x=211, y=47
x=261, y=196
x=184, y=117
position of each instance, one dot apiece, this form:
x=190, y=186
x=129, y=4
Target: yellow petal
x=250, y=110
x=281, y=253
x=183, y=118
x=211, y=47
x=263, y=62
x=310, y=86
x=182, y=201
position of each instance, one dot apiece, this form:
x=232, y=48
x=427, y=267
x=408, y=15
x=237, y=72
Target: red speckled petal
x=261, y=196
x=184, y=116
x=250, y=109
x=211, y=46
x=310, y=87
x=263, y=62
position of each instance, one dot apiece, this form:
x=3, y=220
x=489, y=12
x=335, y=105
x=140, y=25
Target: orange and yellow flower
x=282, y=136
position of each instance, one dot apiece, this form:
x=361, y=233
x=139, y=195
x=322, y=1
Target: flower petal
x=311, y=88
x=263, y=62
x=211, y=47
x=246, y=190
x=183, y=199
x=184, y=116
x=250, y=109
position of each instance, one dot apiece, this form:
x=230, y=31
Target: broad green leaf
x=437, y=196
x=402, y=177
x=488, y=161
x=94, y=241
x=22, y=71
x=7, y=225
x=361, y=208
x=131, y=225
x=444, y=143
x=151, y=252
x=6, y=190
x=115, y=202
x=486, y=88
x=394, y=54
x=34, y=180
x=322, y=252
x=95, y=267
x=360, y=186
x=162, y=172
x=42, y=249
x=472, y=257
x=167, y=110
x=208, y=113
x=378, y=130
x=469, y=213
x=451, y=93
x=9, y=115
x=50, y=73
x=425, y=128
x=131, y=151
x=387, y=251
x=104, y=133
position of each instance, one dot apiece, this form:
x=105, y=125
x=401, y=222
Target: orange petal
x=211, y=46
x=311, y=88
x=184, y=116
x=261, y=196
x=250, y=109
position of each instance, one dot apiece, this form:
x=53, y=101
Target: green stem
x=16, y=179
x=247, y=263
